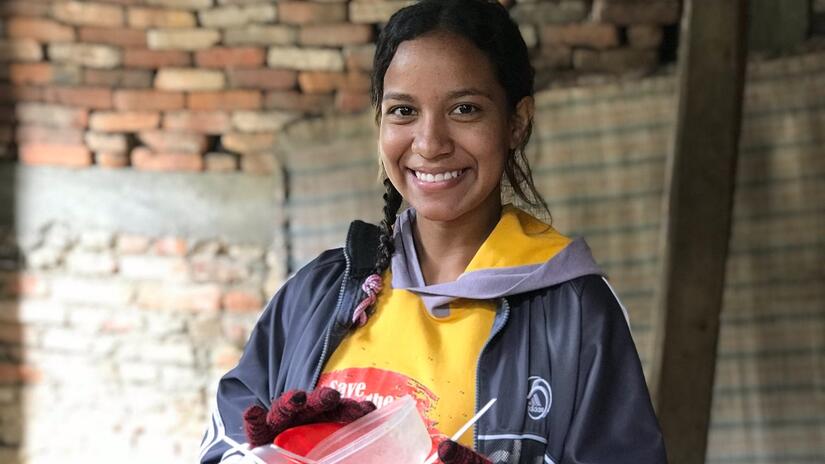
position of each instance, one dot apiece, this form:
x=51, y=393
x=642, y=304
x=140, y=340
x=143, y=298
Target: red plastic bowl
x=300, y=440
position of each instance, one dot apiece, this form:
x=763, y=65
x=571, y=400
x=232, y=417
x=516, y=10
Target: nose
x=432, y=138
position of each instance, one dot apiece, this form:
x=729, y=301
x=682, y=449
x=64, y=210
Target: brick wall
x=125, y=291
x=207, y=84
x=112, y=342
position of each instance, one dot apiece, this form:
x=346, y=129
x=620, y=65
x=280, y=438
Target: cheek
x=489, y=146
x=393, y=142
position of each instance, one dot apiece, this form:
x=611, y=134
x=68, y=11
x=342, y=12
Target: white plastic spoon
x=457, y=435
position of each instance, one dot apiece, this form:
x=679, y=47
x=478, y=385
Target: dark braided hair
x=386, y=247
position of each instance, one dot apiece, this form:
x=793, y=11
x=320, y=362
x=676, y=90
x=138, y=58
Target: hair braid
x=386, y=246
x=373, y=284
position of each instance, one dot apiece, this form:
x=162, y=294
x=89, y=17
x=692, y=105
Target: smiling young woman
x=445, y=133
x=460, y=298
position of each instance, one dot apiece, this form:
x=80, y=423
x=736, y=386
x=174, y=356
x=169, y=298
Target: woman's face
x=445, y=129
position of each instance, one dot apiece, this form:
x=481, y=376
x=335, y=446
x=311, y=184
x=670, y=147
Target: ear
x=520, y=121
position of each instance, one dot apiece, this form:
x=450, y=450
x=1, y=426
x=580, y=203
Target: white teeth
x=440, y=177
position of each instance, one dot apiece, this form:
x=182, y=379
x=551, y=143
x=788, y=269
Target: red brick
x=326, y=82
x=85, y=54
x=55, y=154
x=189, y=79
x=49, y=135
x=297, y=101
x=319, y=82
x=128, y=244
x=98, y=98
x=148, y=100
x=359, y=58
x=125, y=2
x=259, y=164
x=51, y=115
x=224, y=100
x=308, y=12
x=119, y=325
x=194, y=298
x=226, y=357
x=335, y=34
x=84, y=13
x=174, y=141
x=553, y=57
x=153, y=59
x=14, y=8
x=352, y=102
x=593, y=35
x=113, y=36
x=207, y=122
x=145, y=160
x=243, y=300
x=150, y=267
x=220, y=162
x=637, y=11
x=182, y=39
x=223, y=57
x=18, y=93
x=615, y=61
x=43, y=30
x=108, y=159
x=241, y=142
x=123, y=78
x=25, y=284
x=108, y=142
x=262, y=78
x=220, y=269
x=13, y=374
x=20, y=50
x=99, y=291
x=124, y=121
x=644, y=36
x=44, y=73
x=6, y=115
x=171, y=246
x=145, y=18
x=11, y=334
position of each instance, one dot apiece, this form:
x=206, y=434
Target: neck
x=445, y=248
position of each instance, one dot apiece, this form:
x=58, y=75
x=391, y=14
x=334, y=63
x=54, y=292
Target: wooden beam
x=698, y=201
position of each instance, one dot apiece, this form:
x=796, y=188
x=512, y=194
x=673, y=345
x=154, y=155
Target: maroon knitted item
x=451, y=452
x=295, y=408
x=257, y=430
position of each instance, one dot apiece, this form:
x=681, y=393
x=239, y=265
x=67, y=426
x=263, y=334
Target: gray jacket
x=560, y=360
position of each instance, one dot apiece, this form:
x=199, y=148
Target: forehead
x=438, y=63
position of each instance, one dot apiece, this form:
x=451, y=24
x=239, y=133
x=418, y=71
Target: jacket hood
x=521, y=254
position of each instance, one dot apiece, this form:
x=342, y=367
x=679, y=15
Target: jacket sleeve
x=613, y=420
x=244, y=385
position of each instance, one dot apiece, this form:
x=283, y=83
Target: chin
x=441, y=212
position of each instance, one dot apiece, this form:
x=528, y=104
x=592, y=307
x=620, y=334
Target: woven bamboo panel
x=332, y=178
x=601, y=162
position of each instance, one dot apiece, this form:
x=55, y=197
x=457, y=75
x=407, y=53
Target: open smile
x=436, y=180
x=430, y=177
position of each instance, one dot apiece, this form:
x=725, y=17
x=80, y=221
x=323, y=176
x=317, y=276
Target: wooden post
x=697, y=221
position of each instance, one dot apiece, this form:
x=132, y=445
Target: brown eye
x=465, y=108
x=403, y=111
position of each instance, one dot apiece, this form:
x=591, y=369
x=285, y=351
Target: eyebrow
x=451, y=95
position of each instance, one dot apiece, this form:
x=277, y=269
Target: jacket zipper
x=328, y=332
x=497, y=326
